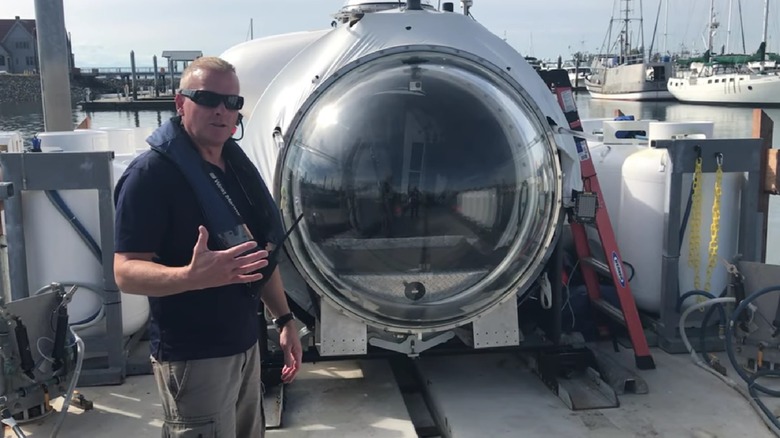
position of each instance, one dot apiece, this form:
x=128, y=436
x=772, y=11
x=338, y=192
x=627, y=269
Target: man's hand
x=291, y=348
x=218, y=268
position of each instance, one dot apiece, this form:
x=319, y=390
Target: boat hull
x=639, y=95
x=734, y=88
x=640, y=81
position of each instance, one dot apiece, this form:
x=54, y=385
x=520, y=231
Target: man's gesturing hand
x=217, y=268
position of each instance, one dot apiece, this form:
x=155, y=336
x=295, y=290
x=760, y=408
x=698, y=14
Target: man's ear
x=179, y=102
x=239, y=119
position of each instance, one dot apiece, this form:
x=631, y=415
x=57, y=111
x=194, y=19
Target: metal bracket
x=273, y=405
x=338, y=334
x=498, y=328
x=586, y=204
x=623, y=380
x=6, y=190
x=412, y=346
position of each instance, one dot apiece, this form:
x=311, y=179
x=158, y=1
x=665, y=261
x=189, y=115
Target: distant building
x=19, y=47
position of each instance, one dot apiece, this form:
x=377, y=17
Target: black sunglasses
x=211, y=99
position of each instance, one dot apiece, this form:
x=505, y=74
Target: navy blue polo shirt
x=157, y=211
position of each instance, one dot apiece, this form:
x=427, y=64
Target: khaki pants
x=212, y=398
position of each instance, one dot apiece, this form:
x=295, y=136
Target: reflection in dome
x=428, y=189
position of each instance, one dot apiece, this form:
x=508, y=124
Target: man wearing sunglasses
x=204, y=321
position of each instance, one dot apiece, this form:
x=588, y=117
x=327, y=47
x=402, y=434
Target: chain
x=694, y=243
x=715, y=226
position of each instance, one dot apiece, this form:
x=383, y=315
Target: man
x=204, y=320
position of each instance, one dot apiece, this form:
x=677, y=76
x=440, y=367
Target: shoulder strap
x=223, y=220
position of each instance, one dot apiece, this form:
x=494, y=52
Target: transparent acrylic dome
x=429, y=188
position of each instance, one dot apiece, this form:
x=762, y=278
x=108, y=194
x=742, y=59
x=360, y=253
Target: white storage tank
x=644, y=201
x=608, y=158
x=56, y=253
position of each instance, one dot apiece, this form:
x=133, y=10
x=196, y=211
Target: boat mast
x=642, y=30
x=766, y=19
x=666, y=24
x=625, y=46
x=728, y=30
x=711, y=28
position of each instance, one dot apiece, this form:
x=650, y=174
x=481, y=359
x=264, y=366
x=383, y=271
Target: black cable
x=74, y=221
x=633, y=270
x=241, y=123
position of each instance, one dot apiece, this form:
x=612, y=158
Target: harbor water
x=730, y=122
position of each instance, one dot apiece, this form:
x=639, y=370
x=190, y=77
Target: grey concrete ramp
x=345, y=399
x=498, y=396
x=329, y=399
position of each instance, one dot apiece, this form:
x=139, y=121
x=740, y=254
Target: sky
x=104, y=32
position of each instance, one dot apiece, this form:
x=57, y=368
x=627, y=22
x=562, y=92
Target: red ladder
x=627, y=315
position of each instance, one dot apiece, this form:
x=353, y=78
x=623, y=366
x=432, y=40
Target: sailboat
x=732, y=79
x=628, y=74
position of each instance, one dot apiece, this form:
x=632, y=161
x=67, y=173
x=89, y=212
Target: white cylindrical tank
x=644, y=205
x=56, y=253
x=608, y=158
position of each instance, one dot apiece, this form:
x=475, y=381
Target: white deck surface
x=482, y=396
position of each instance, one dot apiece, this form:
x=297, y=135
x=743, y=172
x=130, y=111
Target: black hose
x=68, y=214
x=750, y=380
x=753, y=389
x=692, y=293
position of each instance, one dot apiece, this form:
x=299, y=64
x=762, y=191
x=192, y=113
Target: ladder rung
x=611, y=311
x=598, y=265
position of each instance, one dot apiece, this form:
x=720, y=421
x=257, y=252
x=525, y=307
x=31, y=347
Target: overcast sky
x=105, y=31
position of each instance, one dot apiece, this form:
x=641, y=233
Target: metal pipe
x=17, y=251
x=53, y=63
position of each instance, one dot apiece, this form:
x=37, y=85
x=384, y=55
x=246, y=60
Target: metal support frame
x=85, y=171
x=739, y=156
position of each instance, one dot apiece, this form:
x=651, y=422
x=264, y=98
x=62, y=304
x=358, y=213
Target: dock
x=163, y=103
x=493, y=395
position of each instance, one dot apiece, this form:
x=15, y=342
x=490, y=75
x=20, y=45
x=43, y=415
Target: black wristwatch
x=282, y=320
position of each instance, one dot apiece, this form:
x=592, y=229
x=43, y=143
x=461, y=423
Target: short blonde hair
x=210, y=63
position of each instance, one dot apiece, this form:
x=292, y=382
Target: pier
x=164, y=103
x=132, y=75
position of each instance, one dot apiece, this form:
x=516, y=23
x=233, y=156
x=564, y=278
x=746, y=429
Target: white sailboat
x=727, y=80
x=628, y=74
